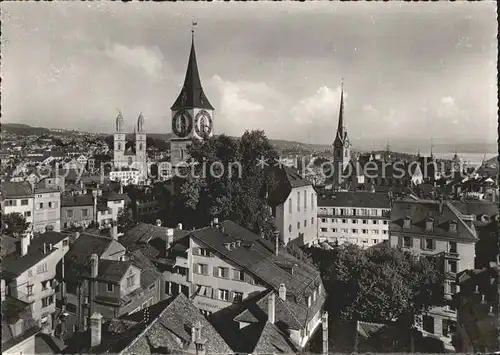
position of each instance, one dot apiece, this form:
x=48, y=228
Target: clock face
x=182, y=124
x=203, y=124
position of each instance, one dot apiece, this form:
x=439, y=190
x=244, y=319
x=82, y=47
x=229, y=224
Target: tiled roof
x=112, y=196
x=165, y=330
x=358, y=199
x=273, y=341
x=15, y=264
x=112, y=270
x=17, y=189
x=286, y=179
x=78, y=200
x=476, y=207
x=421, y=210
x=259, y=259
x=12, y=310
x=149, y=273
x=78, y=257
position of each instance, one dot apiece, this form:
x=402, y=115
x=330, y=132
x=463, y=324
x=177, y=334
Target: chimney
x=121, y=188
x=114, y=230
x=271, y=308
x=179, y=226
x=3, y=290
x=324, y=323
x=158, y=222
x=95, y=329
x=282, y=292
x=23, y=245
x=44, y=248
x=94, y=266
x=276, y=241
x=170, y=237
x=81, y=184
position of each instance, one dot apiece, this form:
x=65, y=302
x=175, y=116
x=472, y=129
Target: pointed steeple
x=340, y=128
x=119, y=122
x=192, y=95
x=140, y=123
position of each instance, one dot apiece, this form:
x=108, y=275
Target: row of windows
x=24, y=202
x=357, y=240
x=374, y=212
x=47, y=301
x=51, y=204
x=222, y=272
x=425, y=243
x=298, y=224
x=345, y=230
x=85, y=213
x=290, y=203
x=220, y=294
x=312, y=298
x=353, y=221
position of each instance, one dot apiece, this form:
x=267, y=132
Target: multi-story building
x=477, y=305
x=17, y=197
x=77, y=211
x=360, y=218
x=126, y=176
x=30, y=274
x=294, y=207
x=18, y=326
x=102, y=277
x=438, y=231
x=109, y=205
x=224, y=265
x=47, y=212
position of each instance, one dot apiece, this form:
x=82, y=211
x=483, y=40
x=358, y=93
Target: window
x=344, y=221
x=365, y=241
x=365, y=221
x=354, y=221
x=314, y=295
x=374, y=221
x=324, y=229
x=201, y=269
x=298, y=201
x=364, y=231
x=354, y=230
x=27, y=214
x=41, y=268
x=24, y=202
x=384, y=232
x=237, y=297
x=374, y=241
x=224, y=295
x=305, y=223
x=345, y=230
x=305, y=200
x=29, y=289
x=385, y=222
x=204, y=252
x=312, y=220
x=452, y=266
x=47, y=301
x=406, y=242
x=323, y=220
x=239, y=275
x=50, y=204
x=298, y=225
x=309, y=301
x=312, y=200
x=452, y=246
x=374, y=212
x=130, y=281
x=429, y=244
x=65, y=243
x=290, y=206
x=40, y=205
x=375, y=231
x=11, y=203
x=290, y=228
x=223, y=272
x=85, y=212
x=110, y=287
x=44, y=285
x=69, y=213
x=334, y=230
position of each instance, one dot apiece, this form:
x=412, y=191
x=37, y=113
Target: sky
x=411, y=70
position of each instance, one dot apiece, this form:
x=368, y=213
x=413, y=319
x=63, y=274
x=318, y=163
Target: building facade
x=438, y=231
x=30, y=275
x=47, y=212
x=77, y=211
x=360, y=218
x=293, y=204
x=192, y=113
x=17, y=197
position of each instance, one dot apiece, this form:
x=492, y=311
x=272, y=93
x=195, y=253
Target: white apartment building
x=294, y=207
x=125, y=176
x=360, y=218
x=17, y=197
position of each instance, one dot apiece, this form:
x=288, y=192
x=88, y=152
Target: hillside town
x=209, y=244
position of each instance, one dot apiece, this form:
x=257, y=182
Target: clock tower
x=341, y=144
x=192, y=113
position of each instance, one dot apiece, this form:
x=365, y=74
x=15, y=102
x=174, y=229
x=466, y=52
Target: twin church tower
x=193, y=118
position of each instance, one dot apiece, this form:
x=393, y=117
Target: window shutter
x=400, y=241
x=215, y=271
x=231, y=296
x=209, y=291
x=422, y=243
x=235, y=274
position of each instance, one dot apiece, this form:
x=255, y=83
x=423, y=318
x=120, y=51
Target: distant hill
x=22, y=129
x=493, y=160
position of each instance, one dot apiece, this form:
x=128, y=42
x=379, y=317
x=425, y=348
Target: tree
x=228, y=183
x=379, y=285
x=125, y=220
x=15, y=223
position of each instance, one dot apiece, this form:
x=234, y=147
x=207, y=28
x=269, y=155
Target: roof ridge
x=284, y=302
x=457, y=213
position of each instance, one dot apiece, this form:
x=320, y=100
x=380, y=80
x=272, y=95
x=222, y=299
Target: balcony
x=25, y=297
x=181, y=262
x=451, y=255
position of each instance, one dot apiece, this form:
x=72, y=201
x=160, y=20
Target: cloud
x=322, y=106
x=144, y=59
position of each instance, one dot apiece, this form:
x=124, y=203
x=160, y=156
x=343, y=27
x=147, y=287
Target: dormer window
x=453, y=226
x=429, y=224
x=407, y=222
x=309, y=301
x=227, y=246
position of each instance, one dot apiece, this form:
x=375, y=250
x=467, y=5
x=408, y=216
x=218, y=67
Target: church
x=192, y=113
x=126, y=155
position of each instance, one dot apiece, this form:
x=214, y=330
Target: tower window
x=338, y=153
x=140, y=146
x=345, y=153
x=119, y=146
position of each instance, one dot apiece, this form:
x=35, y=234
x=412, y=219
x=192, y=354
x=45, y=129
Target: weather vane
x=193, y=25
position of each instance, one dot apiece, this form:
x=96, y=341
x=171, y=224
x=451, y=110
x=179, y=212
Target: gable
x=113, y=251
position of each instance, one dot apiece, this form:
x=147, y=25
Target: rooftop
x=17, y=189
x=360, y=199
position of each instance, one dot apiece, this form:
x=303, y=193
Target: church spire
x=192, y=94
x=340, y=128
